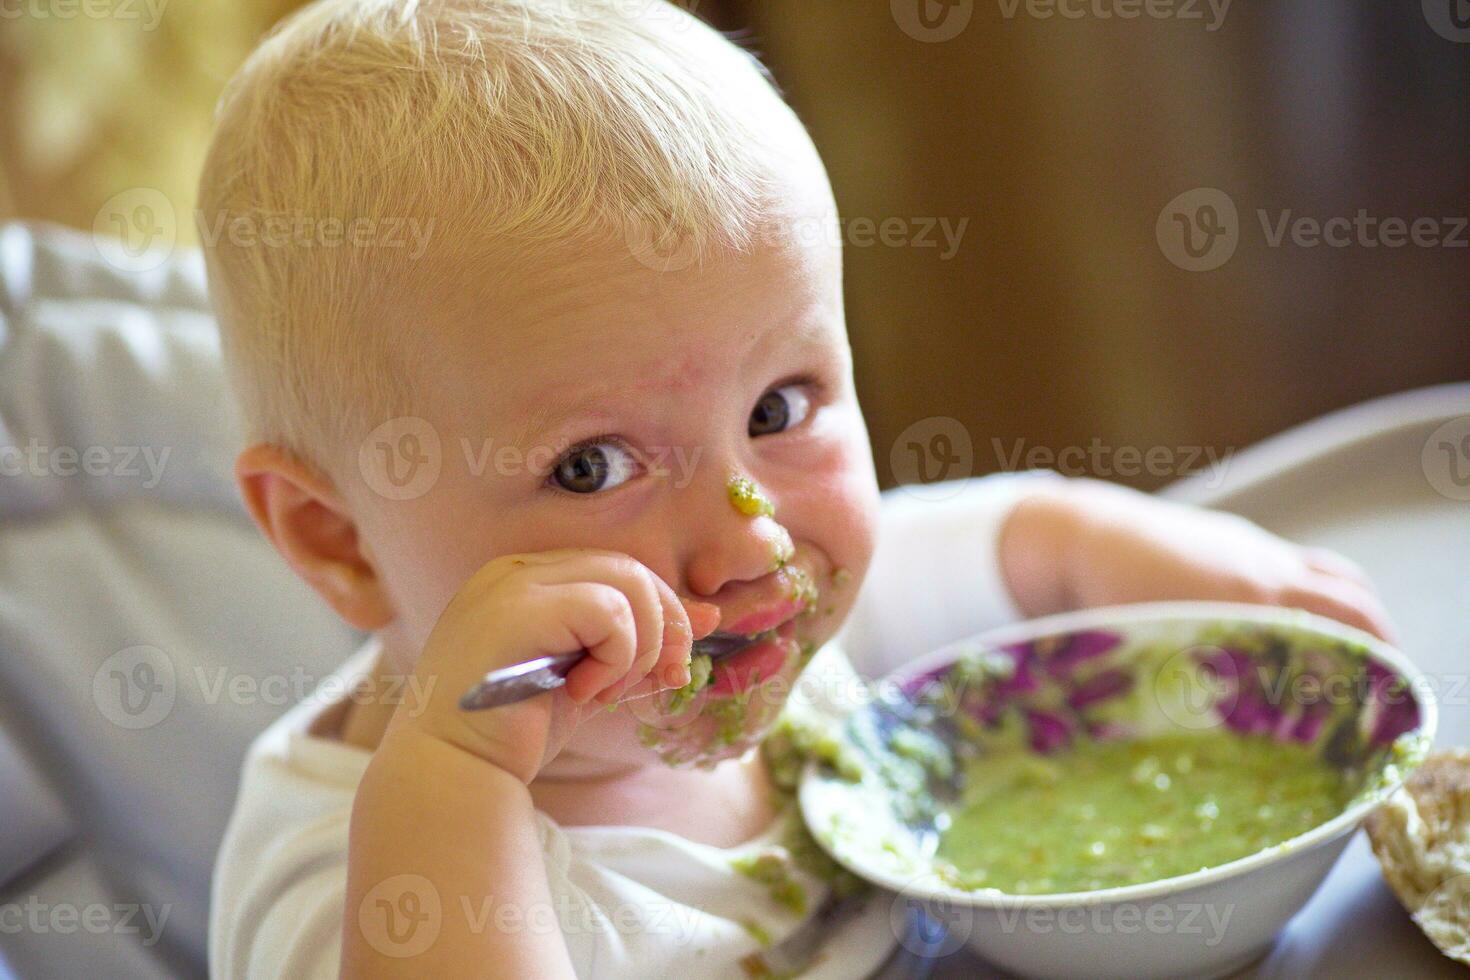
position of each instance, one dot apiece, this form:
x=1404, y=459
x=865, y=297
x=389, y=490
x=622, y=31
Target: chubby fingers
x=633, y=625
x=599, y=618
x=608, y=604
x=704, y=617
x=671, y=669
x=685, y=620
x=663, y=627
x=642, y=590
x=1344, y=600
x=1329, y=562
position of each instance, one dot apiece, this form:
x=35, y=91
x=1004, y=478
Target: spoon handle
x=508, y=685
x=518, y=682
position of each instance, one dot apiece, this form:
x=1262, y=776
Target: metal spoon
x=532, y=677
x=871, y=731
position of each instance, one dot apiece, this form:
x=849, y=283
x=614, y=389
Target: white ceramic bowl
x=1205, y=924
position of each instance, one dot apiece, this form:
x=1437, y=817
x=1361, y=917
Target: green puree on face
x=1105, y=814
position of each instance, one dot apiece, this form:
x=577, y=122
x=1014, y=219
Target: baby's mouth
x=731, y=700
x=760, y=661
x=796, y=592
x=769, y=618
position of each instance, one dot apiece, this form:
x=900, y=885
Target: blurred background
x=1080, y=233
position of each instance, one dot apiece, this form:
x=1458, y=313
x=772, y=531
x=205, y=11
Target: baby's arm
x=435, y=827
x=443, y=816
x=936, y=575
x=1072, y=544
x=959, y=558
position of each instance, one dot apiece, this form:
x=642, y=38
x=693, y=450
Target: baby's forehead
x=611, y=329
x=567, y=299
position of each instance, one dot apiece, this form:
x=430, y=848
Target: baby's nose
x=740, y=540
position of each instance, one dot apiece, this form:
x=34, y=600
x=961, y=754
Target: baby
x=605, y=402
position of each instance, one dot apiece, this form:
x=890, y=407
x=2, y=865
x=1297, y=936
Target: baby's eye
x=779, y=409
x=597, y=466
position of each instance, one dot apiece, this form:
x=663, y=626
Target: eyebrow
x=542, y=419
x=802, y=329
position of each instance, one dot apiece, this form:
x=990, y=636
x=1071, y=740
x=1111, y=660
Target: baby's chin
x=723, y=720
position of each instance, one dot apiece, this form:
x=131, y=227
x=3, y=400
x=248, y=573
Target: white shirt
x=631, y=902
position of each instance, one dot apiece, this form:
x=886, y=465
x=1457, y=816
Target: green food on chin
x=1104, y=814
x=701, y=667
x=709, y=725
x=729, y=715
x=720, y=723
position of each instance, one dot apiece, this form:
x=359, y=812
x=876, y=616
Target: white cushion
x=35, y=822
x=133, y=566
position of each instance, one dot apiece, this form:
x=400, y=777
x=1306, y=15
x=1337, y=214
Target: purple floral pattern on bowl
x=1255, y=680
x=1053, y=685
x=1332, y=695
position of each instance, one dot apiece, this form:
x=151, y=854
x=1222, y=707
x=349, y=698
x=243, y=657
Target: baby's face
x=601, y=402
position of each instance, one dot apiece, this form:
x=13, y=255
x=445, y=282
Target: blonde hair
x=496, y=122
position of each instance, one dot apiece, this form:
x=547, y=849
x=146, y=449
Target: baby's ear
x=304, y=516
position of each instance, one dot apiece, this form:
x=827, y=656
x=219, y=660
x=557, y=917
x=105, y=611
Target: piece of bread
x=1421, y=835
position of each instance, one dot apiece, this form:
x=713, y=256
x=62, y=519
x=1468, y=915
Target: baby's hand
x=518, y=607
x=1107, y=544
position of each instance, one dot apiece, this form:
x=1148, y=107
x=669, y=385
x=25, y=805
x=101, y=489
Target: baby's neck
x=723, y=806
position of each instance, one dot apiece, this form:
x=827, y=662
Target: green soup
x=1105, y=814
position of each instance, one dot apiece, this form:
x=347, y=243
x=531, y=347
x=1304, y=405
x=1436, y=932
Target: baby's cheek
x=837, y=509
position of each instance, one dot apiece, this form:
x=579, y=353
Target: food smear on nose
x=747, y=498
